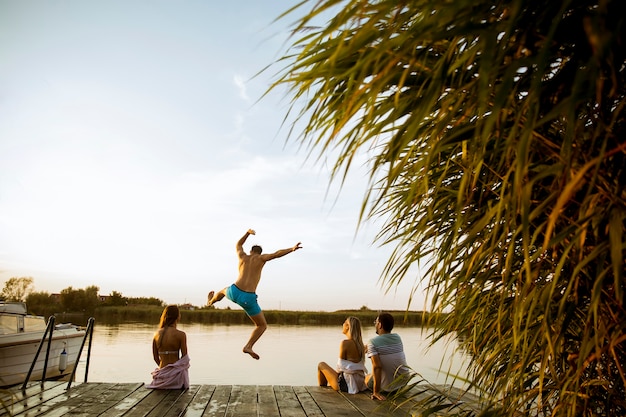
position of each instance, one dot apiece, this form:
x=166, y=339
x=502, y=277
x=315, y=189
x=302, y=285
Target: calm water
x=289, y=354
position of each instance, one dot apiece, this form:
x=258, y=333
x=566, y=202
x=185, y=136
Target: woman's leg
x=327, y=375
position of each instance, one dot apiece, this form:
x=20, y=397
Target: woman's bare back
x=169, y=343
x=350, y=352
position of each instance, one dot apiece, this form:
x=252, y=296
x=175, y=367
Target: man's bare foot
x=210, y=297
x=251, y=353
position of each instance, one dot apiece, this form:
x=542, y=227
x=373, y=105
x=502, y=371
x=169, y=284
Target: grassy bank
x=151, y=315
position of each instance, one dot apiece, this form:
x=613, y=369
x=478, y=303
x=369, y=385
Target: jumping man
x=243, y=291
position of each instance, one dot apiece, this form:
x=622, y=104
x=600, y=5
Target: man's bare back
x=250, y=267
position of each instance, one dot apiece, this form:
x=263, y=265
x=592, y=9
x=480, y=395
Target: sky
x=137, y=147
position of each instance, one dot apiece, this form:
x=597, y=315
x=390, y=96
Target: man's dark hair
x=256, y=249
x=386, y=321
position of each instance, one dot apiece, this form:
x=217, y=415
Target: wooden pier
x=134, y=399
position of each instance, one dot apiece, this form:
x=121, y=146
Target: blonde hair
x=354, y=333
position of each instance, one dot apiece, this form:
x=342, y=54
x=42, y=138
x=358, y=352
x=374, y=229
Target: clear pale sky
x=134, y=153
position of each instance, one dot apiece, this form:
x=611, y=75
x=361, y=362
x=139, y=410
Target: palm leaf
x=494, y=137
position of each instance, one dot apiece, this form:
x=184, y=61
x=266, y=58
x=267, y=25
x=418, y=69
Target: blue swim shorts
x=247, y=300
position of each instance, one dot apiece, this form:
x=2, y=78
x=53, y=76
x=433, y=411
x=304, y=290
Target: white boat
x=20, y=336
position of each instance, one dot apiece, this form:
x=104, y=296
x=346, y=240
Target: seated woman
x=351, y=363
x=169, y=349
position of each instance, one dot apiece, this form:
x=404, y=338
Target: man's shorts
x=247, y=300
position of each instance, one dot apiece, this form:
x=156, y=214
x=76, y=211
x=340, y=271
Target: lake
x=289, y=354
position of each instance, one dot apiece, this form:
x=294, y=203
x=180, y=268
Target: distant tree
x=42, y=303
x=16, y=289
x=81, y=300
x=151, y=301
x=69, y=298
x=116, y=299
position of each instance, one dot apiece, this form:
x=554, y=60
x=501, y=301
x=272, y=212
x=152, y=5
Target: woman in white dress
x=351, y=363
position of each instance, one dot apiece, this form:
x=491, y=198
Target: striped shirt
x=390, y=351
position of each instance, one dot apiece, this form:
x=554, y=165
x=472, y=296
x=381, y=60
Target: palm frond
x=494, y=133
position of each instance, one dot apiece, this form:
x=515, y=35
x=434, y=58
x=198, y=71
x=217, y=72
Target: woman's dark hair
x=386, y=321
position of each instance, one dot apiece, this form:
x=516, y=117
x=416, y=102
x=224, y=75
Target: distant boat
x=20, y=336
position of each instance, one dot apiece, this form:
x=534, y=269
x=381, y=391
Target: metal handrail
x=88, y=332
x=49, y=328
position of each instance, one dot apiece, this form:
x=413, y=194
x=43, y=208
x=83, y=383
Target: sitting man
x=389, y=368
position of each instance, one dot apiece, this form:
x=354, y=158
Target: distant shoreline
x=152, y=314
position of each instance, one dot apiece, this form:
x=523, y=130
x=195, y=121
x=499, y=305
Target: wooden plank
x=182, y=402
x=467, y=400
x=200, y=401
x=64, y=403
x=100, y=404
x=13, y=394
x=288, y=402
x=242, y=402
x=48, y=398
x=133, y=400
x=332, y=403
x=150, y=401
x=77, y=402
x=128, y=402
x=367, y=406
x=268, y=407
x=219, y=402
x=176, y=400
x=17, y=401
x=310, y=407
x=458, y=399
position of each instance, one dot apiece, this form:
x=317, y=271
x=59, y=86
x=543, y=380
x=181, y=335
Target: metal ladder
x=48, y=332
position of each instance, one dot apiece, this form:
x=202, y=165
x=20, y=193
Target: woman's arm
x=155, y=352
x=183, y=344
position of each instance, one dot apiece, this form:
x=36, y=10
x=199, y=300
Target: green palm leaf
x=495, y=140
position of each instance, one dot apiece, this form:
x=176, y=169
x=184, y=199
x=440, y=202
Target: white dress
x=354, y=374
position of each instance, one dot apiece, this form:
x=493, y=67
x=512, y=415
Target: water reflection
x=289, y=354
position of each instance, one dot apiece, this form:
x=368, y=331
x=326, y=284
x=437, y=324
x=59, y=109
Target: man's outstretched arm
x=241, y=241
x=281, y=252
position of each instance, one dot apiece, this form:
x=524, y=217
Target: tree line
x=77, y=305
x=69, y=300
